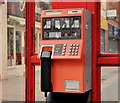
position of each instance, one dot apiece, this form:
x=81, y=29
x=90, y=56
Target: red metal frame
x=30, y=50
x=98, y=60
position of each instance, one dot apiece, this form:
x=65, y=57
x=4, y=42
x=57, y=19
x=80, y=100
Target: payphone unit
x=65, y=50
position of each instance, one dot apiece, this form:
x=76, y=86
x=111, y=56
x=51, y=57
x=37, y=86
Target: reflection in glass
x=39, y=95
x=110, y=27
x=10, y=47
x=66, y=23
x=113, y=45
x=57, y=24
x=39, y=38
x=36, y=40
x=18, y=48
x=103, y=41
x=62, y=28
x=39, y=6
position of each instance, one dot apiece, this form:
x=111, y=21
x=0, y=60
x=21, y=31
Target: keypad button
x=63, y=53
x=71, y=44
x=76, y=54
x=70, y=47
x=70, y=50
x=69, y=53
x=72, y=53
x=73, y=50
x=65, y=44
x=77, y=47
x=64, y=47
x=73, y=47
x=76, y=50
x=74, y=44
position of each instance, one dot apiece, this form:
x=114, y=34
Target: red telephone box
x=98, y=60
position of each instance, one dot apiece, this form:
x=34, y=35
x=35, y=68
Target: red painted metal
x=30, y=50
x=94, y=7
x=35, y=60
x=109, y=55
x=67, y=5
x=109, y=61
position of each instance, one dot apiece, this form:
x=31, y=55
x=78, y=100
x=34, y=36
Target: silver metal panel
x=88, y=49
x=73, y=86
x=74, y=11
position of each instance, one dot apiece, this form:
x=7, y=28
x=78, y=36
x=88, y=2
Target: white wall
x=0, y=57
x=3, y=41
x=0, y=42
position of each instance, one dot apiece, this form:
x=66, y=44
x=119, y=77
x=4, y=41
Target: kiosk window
x=47, y=24
x=57, y=24
x=62, y=28
x=66, y=23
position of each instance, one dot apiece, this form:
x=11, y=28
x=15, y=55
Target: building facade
x=110, y=27
x=114, y=28
x=3, y=41
x=13, y=31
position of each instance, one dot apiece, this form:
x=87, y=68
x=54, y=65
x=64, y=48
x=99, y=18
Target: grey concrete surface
x=109, y=83
x=0, y=91
x=13, y=88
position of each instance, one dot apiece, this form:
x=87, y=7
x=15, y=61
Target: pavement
x=109, y=83
x=13, y=89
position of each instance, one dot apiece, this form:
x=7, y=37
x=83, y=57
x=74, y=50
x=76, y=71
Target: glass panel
x=36, y=43
x=13, y=88
x=103, y=41
x=23, y=48
x=18, y=48
x=110, y=27
x=39, y=38
x=10, y=47
x=39, y=95
x=62, y=28
x=39, y=6
x=109, y=83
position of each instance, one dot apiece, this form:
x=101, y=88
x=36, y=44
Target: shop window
x=10, y=47
x=110, y=27
x=103, y=43
x=18, y=48
x=113, y=45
